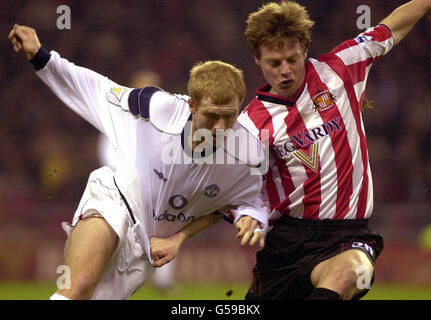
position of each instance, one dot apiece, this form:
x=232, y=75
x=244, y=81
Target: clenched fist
x=25, y=39
x=163, y=250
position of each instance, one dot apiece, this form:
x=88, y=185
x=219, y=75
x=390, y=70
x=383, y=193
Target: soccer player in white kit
x=174, y=170
x=319, y=185
x=164, y=277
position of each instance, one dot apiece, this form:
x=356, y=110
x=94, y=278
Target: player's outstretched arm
x=402, y=20
x=81, y=89
x=24, y=39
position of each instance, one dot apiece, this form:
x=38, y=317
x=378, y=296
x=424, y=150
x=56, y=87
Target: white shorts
x=129, y=267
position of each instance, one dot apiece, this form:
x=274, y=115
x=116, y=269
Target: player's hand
x=249, y=229
x=25, y=39
x=164, y=250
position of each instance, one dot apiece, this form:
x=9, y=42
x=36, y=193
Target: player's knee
x=345, y=281
x=349, y=280
x=82, y=287
x=345, y=274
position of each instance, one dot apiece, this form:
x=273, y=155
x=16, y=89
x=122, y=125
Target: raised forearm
x=402, y=19
x=81, y=89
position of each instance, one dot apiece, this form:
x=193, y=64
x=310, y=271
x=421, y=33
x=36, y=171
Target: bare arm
x=402, y=20
x=164, y=250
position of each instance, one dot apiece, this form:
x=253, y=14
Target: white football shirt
x=165, y=187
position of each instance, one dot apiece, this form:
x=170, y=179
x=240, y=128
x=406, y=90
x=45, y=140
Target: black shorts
x=295, y=246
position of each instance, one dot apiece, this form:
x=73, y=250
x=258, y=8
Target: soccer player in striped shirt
x=319, y=186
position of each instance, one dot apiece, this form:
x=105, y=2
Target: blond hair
x=220, y=81
x=274, y=23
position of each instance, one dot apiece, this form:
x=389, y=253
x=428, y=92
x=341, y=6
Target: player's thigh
x=349, y=262
x=90, y=245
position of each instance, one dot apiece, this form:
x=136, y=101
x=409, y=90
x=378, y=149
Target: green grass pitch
x=42, y=291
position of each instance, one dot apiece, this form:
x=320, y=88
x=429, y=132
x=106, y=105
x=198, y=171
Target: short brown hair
x=220, y=81
x=275, y=22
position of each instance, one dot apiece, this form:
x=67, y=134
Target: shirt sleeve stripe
x=139, y=101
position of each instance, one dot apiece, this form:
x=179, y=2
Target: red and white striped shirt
x=319, y=167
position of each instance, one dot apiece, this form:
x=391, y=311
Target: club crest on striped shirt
x=323, y=100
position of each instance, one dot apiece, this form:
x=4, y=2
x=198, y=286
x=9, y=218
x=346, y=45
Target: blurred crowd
x=47, y=151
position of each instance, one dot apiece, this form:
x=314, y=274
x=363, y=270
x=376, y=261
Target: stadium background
x=47, y=152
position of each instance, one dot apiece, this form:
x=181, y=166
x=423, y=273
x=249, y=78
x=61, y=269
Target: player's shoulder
x=245, y=122
x=254, y=117
x=167, y=112
x=244, y=146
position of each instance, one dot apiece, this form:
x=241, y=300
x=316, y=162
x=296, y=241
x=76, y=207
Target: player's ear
x=192, y=106
x=257, y=60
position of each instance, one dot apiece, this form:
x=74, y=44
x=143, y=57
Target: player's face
x=212, y=117
x=283, y=68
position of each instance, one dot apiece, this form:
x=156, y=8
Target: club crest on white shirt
x=212, y=191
